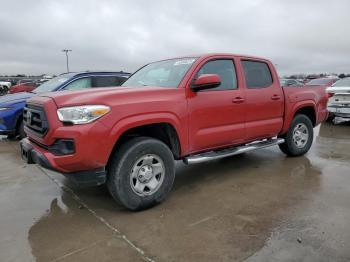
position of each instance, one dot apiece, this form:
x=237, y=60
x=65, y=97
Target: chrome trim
x=213, y=155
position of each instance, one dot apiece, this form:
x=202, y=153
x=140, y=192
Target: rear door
x=217, y=115
x=264, y=100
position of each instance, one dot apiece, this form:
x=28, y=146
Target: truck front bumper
x=34, y=155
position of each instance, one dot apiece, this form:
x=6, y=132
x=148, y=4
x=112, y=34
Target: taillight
x=329, y=95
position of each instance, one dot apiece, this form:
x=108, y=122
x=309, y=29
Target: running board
x=212, y=155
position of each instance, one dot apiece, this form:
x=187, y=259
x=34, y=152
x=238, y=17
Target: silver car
x=339, y=98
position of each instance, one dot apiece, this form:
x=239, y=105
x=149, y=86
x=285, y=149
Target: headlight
x=4, y=108
x=82, y=114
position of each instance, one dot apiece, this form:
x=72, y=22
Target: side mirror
x=206, y=81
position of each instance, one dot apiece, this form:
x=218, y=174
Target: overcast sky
x=299, y=36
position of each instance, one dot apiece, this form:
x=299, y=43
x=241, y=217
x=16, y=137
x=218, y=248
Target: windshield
x=53, y=83
x=319, y=82
x=345, y=82
x=166, y=73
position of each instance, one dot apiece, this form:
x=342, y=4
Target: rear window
x=257, y=74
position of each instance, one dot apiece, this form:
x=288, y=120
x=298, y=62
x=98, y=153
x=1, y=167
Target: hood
x=104, y=95
x=15, y=98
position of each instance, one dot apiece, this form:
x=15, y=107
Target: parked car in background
x=290, y=82
x=4, y=87
x=193, y=109
x=11, y=105
x=325, y=81
x=44, y=79
x=339, y=99
x=22, y=81
x=23, y=87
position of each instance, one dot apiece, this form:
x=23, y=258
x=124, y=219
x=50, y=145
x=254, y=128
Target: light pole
x=66, y=51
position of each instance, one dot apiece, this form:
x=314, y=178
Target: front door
x=217, y=115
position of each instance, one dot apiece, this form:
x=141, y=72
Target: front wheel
x=20, y=130
x=299, y=137
x=141, y=173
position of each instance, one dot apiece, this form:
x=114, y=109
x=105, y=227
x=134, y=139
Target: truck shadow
x=241, y=196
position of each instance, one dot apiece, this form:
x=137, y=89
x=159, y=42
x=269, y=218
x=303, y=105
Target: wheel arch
x=307, y=108
x=163, y=129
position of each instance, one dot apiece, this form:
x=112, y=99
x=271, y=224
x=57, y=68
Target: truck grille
x=35, y=120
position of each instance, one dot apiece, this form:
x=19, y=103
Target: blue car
x=11, y=106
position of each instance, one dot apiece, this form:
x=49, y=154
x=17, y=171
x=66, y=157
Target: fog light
x=63, y=147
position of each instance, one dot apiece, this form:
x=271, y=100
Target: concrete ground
x=260, y=206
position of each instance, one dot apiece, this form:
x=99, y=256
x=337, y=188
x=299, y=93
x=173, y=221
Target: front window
x=53, y=84
x=225, y=69
x=168, y=73
x=81, y=83
x=345, y=82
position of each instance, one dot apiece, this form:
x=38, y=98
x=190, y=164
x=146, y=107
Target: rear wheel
x=299, y=137
x=141, y=173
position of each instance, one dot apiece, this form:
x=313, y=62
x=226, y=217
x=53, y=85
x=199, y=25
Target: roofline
x=98, y=72
x=208, y=55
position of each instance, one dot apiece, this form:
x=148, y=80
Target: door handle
x=275, y=97
x=238, y=100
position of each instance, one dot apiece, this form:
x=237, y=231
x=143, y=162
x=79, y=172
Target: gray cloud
x=298, y=36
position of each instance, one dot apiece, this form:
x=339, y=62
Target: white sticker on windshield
x=184, y=62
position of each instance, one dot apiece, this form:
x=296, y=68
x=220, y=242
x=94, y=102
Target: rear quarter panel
x=297, y=98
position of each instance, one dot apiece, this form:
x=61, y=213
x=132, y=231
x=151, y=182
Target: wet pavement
x=259, y=206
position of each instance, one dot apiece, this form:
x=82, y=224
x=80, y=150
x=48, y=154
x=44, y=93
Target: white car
x=339, y=98
x=4, y=87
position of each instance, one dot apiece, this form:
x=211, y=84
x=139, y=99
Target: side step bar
x=212, y=155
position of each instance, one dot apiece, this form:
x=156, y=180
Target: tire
x=294, y=144
x=132, y=168
x=330, y=118
x=20, y=130
x=11, y=137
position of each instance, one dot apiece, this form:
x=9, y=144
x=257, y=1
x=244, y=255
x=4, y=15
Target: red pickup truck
x=194, y=109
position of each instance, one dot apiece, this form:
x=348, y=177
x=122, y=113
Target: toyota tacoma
x=195, y=109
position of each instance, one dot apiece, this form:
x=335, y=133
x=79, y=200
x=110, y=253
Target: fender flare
x=134, y=121
x=292, y=111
